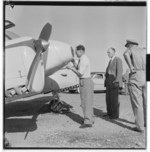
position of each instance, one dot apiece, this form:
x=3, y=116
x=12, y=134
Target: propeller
x=36, y=75
x=46, y=32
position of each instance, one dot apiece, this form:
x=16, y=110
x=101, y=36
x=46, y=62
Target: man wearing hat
x=135, y=57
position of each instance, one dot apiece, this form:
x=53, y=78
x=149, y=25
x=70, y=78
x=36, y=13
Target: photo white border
x=1, y=88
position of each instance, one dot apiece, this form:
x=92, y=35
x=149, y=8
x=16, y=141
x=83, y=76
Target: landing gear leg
x=58, y=106
x=56, y=96
x=55, y=104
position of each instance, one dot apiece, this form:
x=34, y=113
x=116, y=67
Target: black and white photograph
x=74, y=75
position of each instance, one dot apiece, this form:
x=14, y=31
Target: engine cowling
x=57, y=56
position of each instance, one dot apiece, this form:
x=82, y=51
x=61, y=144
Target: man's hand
x=116, y=83
x=73, y=60
x=69, y=67
x=133, y=70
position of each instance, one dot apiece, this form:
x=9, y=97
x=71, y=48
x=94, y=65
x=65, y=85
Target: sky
x=96, y=27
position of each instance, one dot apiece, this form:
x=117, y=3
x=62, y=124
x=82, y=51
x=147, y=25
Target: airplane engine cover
x=57, y=56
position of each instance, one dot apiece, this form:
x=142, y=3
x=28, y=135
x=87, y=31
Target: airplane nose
x=45, y=44
x=64, y=51
x=41, y=45
x=58, y=55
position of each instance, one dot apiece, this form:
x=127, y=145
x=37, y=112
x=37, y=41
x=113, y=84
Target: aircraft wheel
x=52, y=104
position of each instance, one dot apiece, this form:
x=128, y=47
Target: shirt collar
x=112, y=58
x=82, y=56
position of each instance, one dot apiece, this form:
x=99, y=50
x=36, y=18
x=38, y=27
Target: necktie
x=78, y=64
x=109, y=63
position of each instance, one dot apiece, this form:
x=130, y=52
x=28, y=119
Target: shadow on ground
x=75, y=117
x=16, y=114
x=99, y=113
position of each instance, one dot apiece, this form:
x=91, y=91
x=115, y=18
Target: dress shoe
x=85, y=126
x=106, y=115
x=83, y=122
x=113, y=118
x=138, y=130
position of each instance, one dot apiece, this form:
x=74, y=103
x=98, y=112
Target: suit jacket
x=114, y=73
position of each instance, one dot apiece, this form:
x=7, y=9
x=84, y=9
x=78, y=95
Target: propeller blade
x=36, y=75
x=46, y=32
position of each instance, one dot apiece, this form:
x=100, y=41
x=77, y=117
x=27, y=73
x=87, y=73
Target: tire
x=72, y=91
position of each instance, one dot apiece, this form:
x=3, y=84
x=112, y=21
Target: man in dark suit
x=112, y=83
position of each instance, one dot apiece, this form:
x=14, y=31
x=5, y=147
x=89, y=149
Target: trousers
x=137, y=89
x=86, y=94
x=112, y=101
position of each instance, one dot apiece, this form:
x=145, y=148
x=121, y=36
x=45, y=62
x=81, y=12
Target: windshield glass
x=97, y=75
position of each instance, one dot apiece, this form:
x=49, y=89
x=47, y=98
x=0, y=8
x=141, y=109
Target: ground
x=29, y=124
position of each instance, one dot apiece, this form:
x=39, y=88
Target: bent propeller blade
x=46, y=32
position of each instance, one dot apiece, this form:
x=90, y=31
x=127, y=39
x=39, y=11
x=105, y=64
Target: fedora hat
x=131, y=42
